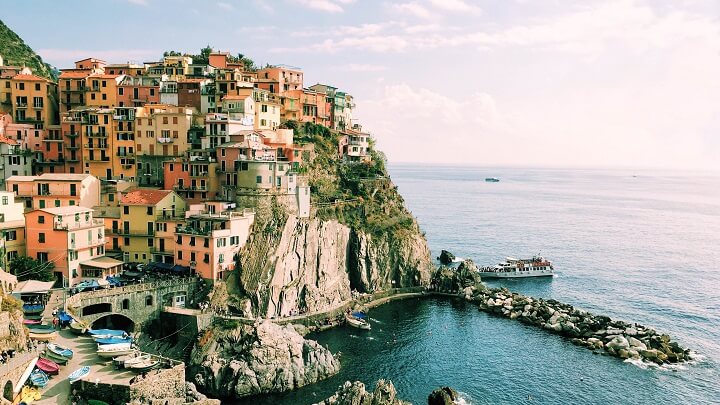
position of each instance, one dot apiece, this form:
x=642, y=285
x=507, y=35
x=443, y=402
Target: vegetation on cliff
x=15, y=52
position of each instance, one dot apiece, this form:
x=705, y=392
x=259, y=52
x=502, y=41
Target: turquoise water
x=638, y=246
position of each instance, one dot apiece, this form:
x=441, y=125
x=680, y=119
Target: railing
x=129, y=232
x=153, y=285
x=91, y=224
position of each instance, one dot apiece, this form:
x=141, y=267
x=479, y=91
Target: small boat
x=119, y=361
x=39, y=329
x=37, y=317
x=113, y=346
x=536, y=266
x=25, y=376
x=106, y=332
x=39, y=378
x=29, y=394
x=33, y=308
x=56, y=358
x=358, y=320
x=48, y=366
x=59, y=350
x=492, y=179
x=144, y=365
x=96, y=402
x=78, y=327
x=43, y=337
x=135, y=360
x=78, y=374
x=112, y=340
x=118, y=351
x=32, y=321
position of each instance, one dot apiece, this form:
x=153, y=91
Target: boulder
x=618, y=343
x=636, y=343
x=446, y=257
x=443, y=396
x=354, y=393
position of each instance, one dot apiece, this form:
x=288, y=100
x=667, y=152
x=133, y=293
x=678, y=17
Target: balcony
x=178, y=187
x=189, y=230
x=73, y=160
x=112, y=231
x=134, y=232
x=50, y=162
x=165, y=140
x=96, y=135
x=93, y=146
x=169, y=216
x=163, y=252
x=21, y=106
x=292, y=108
x=97, y=160
x=78, y=225
x=72, y=134
x=72, y=146
x=53, y=139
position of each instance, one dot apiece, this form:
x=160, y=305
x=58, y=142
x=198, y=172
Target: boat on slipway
x=537, y=266
x=358, y=320
x=78, y=374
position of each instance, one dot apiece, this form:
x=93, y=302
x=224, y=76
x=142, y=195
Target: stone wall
x=165, y=384
x=113, y=394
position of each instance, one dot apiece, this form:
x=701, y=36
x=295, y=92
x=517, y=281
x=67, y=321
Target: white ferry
x=537, y=266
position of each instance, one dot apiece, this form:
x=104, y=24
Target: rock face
x=12, y=332
x=354, y=393
x=313, y=265
x=443, y=396
x=446, y=257
x=616, y=338
x=464, y=279
x=250, y=360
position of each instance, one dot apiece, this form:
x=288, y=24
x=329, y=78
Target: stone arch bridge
x=135, y=304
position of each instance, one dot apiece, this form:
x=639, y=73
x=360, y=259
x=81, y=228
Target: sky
x=529, y=83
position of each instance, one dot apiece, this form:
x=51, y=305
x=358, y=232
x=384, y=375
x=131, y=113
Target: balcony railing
x=164, y=252
x=21, y=105
x=78, y=225
x=135, y=232
x=96, y=135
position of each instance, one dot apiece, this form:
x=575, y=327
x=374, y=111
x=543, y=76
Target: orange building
x=138, y=91
x=70, y=238
x=34, y=100
x=280, y=79
x=102, y=90
x=72, y=87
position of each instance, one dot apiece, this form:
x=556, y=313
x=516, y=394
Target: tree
x=27, y=268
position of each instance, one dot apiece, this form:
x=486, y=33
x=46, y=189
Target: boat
x=106, y=332
x=112, y=346
x=24, y=377
x=64, y=318
x=78, y=374
x=358, y=320
x=96, y=402
x=119, y=361
x=112, y=340
x=33, y=309
x=59, y=350
x=114, y=352
x=48, y=366
x=40, y=331
x=56, y=358
x=78, y=327
x=43, y=337
x=537, y=266
x=28, y=395
x=492, y=179
x=144, y=365
x=39, y=378
x=128, y=363
x=37, y=317
x=32, y=321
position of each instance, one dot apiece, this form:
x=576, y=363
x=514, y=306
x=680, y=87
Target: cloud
x=138, y=2
x=360, y=67
x=412, y=8
x=454, y=6
x=330, y=6
x=225, y=6
x=264, y=6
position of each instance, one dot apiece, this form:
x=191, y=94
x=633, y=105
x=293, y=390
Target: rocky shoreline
x=599, y=333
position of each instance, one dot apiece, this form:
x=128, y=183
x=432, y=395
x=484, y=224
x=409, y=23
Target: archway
x=97, y=309
x=8, y=391
x=114, y=321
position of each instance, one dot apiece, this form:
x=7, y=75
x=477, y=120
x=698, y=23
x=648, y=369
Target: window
x=41, y=219
x=126, y=303
x=150, y=242
x=10, y=235
x=263, y=108
x=221, y=258
x=120, y=91
x=4, y=200
x=37, y=86
x=175, y=120
x=179, y=254
x=148, y=300
x=165, y=120
x=41, y=237
x=149, y=210
x=258, y=179
x=57, y=203
x=73, y=190
x=42, y=257
x=42, y=203
x=126, y=210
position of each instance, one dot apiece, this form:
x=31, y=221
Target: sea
x=640, y=246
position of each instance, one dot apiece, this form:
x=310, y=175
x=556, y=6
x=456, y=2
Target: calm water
x=638, y=246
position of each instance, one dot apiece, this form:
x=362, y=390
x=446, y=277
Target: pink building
x=72, y=240
x=56, y=190
x=280, y=79
x=210, y=241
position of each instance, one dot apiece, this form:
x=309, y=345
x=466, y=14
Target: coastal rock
x=249, y=360
x=636, y=344
x=443, y=396
x=446, y=257
x=454, y=280
x=618, y=343
x=354, y=393
x=12, y=330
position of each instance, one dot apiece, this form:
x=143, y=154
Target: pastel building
x=13, y=159
x=12, y=228
x=267, y=109
x=34, y=100
x=193, y=177
x=210, y=240
x=135, y=91
x=55, y=190
x=102, y=90
x=69, y=237
x=280, y=79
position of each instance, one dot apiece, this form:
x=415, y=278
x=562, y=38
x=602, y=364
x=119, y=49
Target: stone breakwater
x=595, y=332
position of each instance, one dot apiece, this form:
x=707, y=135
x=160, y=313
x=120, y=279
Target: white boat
x=144, y=365
x=110, y=353
x=357, y=322
x=536, y=266
x=78, y=374
x=114, y=346
x=135, y=360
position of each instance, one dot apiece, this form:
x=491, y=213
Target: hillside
x=15, y=52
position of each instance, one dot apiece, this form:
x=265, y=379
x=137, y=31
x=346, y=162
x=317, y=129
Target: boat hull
x=56, y=357
x=515, y=274
x=356, y=323
x=114, y=353
x=45, y=337
x=77, y=328
x=78, y=374
x=48, y=366
x=60, y=351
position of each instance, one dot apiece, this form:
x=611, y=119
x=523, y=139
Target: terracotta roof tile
x=30, y=78
x=75, y=74
x=144, y=196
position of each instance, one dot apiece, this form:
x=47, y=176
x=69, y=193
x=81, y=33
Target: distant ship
x=492, y=179
x=537, y=266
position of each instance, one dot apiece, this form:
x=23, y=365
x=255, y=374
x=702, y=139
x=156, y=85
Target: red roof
x=75, y=74
x=4, y=139
x=29, y=78
x=144, y=196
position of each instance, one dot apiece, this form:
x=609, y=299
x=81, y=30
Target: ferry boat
x=492, y=179
x=536, y=266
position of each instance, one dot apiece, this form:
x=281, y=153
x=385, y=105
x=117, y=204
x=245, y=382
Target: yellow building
x=102, y=89
x=162, y=130
x=12, y=228
x=124, y=143
x=97, y=139
x=34, y=100
x=143, y=229
x=72, y=87
x=6, y=75
x=267, y=109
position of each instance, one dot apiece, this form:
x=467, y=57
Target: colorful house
x=12, y=228
x=55, y=190
x=34, y=100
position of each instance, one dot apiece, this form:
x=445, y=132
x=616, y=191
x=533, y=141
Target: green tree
x=27, y=268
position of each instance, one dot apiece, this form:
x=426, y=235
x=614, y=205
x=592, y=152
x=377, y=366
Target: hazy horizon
x=606, y=84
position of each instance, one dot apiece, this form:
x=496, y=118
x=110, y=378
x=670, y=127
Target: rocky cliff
x=12, y=330
x=257, y=359
x=354, y=393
